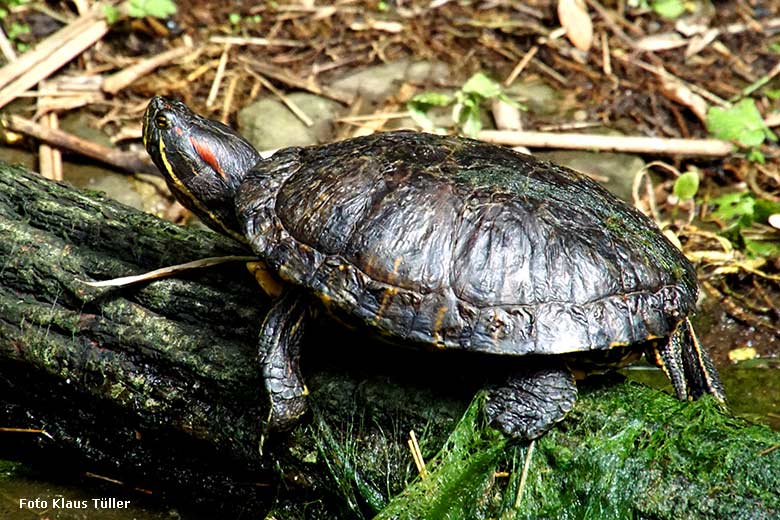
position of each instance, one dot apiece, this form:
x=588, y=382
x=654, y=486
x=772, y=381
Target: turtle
x=444, y=243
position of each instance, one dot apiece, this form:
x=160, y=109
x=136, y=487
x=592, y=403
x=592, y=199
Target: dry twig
x=295, y=109
x=612, y=143
x=292, y=81
x=50, y=55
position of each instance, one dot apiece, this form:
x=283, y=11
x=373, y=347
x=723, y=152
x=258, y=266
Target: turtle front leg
x=280, y=343
x=532, y=401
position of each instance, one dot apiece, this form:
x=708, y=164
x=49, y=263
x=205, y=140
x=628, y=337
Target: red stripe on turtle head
x=207, y=154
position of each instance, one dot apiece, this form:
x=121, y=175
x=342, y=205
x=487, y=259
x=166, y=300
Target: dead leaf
x=377, y=25
x=742, y=354
x=700, y=41
x=661, y=42
x=574, y=17
x=682, y=94
x=774, y=220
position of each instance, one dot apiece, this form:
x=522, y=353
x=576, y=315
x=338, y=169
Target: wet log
x=157, y=386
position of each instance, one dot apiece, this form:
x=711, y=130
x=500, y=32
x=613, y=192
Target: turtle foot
x=285, y=412
x=532, y=401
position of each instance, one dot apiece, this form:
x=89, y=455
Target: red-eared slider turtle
x=445, y=242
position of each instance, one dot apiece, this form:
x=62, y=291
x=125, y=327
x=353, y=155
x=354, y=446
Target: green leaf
x=669, y=8
x=686, y=185
x=17, y=29
x=755, y=155
x=765, y=248
x=155, y=8
x=511, y=102
x=234, y=18
x=742, y=123
x=481, y=85
x=111, y=13
x=431, y=99
x=421, y=118
x=472, y=123
x=419, y=105
x=733, y=206
x=764, y=208
x=772, y=93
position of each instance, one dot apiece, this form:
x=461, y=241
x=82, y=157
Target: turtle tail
x=688, y=366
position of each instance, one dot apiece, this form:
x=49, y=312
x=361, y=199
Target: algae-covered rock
x=625, y=452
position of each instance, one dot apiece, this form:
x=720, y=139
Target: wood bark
x=156, y=385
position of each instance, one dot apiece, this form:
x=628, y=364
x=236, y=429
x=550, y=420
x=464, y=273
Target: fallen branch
x=264, y=42
x=50, y=55
x=611, y=143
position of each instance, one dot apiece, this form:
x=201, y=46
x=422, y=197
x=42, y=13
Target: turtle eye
x=162, y=122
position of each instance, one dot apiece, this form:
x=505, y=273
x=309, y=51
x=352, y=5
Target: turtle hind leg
x=700, y=371
x=280, y=342
x=688, y=366
x=532, y=401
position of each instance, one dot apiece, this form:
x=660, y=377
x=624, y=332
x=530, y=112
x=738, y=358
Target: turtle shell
x=464, y=245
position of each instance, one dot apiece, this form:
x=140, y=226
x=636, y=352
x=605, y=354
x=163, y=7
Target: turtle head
x=203, y=161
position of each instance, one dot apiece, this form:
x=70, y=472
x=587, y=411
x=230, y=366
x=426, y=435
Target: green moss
x=11, y=469
x=624, y=452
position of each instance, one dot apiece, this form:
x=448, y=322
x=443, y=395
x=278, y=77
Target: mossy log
x=157, y=386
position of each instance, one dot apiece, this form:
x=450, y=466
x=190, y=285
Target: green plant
x=742, y=123
x=746, y=217
x=668, y=8
x=686, y=185
x=140, y=9
x=466, y=103
x=15, y=31
x=236, y=19
x=7, y=5
x=155, y=8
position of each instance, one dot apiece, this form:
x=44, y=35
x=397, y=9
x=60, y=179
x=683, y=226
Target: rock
x=619, y=168
x=539, y=97
x=115, y=185
x=382, y=81
x=427, y=72
x=79, y=124
x=268, y=124
x=18, y=156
